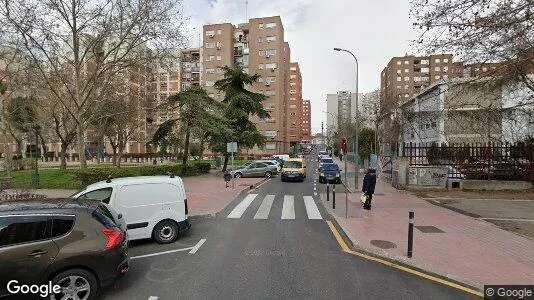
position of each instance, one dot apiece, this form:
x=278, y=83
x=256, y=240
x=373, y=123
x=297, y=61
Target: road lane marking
x=288, y=208
x=508, y=219
x=346, y=249
x=259, y=185
x=265, y=208
x=311, y=208
x=238, y=211
x=152, y=298
x=197, y=246
x=161, y=253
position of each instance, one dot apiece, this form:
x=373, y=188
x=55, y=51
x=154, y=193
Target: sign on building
x=270, y=133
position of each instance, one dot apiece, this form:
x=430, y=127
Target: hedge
x=89, y=176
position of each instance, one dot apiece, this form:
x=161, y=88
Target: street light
x=357, y=117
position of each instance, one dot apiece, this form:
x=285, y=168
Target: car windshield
x=330, y=167
x=293, y=164
x=327, y=161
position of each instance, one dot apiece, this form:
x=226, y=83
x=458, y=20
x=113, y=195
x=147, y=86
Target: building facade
x=259, y=48
x=341, y=109
x=295, y=108
x=306, y=121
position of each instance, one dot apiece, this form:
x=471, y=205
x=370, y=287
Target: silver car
x=256, y=169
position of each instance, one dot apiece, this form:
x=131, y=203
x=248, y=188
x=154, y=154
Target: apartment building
x=259, y=48
x=190, y=66
x=306, y=121
x=341, y=109
x=295, y=119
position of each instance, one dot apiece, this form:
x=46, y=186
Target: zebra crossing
x=288, y=207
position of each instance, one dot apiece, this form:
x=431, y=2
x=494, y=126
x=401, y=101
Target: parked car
x=257, y=169
x=294, y=169
x=152, y=206
x=326, y=160
x=73, y=244
x=322, y=154
x=277, y=159
x=330, y=172
x=272, y=163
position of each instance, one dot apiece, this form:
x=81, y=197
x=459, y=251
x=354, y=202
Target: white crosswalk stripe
x=311, y=208
x=288, y=208
x=242, y=206
x=265, y=207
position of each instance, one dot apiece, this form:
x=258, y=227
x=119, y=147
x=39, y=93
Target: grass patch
x=48, y=179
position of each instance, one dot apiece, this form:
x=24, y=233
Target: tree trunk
x=63, y=156
x=226, y=157
x=119, y=156
x=7, y=153
x=186, y=145
x=114, y=158
x=81, y=145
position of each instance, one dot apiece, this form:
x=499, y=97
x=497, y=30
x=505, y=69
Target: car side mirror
x=119, y=216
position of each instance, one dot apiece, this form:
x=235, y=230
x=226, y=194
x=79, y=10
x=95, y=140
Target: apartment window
x=210, y=71
x=399, y=78
x=399, y=63
x=219, y=31
x=292, y=92
x=260, y=39
x=399, y=87
x=477, y=69
x=292, y=99
x=406, y=62
x=210, y=58
x=270, y=66
x=210, y=33
x=261, y=52
x=270, y=79
x=445, y=69
x=260, y=67
x=406, y=87
x=425, y=70
x=406, y=78
x=219, y=57
x=445, y=60
x=399, y=71
x=437, y=60
x=293, y=84
x=270, y=39
x=270, y=25
x=219, y=44
x=406, y=70
x=219, y=70
x=424, y=61
x=293, y=68
x=437, y=69
x=270, y=52
x=484, y=69
x=293, y=76
x=210, y=45
x=292, y=106
x=445, y=76
x=406, y=95
x=437, y=77
x=260, y=79
x=270, y=93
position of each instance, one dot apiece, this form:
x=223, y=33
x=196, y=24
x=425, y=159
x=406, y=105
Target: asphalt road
x=288, y=255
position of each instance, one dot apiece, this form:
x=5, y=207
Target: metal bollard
x=334, y=196
x=410, y=233
x=327, y=191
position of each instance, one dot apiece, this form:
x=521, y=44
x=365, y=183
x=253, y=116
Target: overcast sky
x=374, y=31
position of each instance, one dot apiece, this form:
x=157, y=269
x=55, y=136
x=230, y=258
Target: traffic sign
x=231, y=147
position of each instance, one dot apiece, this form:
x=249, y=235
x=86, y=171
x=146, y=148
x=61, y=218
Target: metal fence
x=498, y=161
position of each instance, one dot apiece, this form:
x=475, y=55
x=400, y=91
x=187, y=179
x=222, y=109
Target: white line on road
x=161, y=253
x=152, y=298
x=288, y=208
x=311, y=208
x=259, y=185
x=197, y=246
x=242, y=206
x=508, y=219
x=265, y=208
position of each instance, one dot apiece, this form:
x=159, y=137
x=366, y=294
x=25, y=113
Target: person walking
x=368, y=187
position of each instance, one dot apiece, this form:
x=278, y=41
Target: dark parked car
x=330, y=173
x=75, y=245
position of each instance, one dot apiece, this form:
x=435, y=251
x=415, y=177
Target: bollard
x=334, y=196
x=410, y=233
x=327, y=191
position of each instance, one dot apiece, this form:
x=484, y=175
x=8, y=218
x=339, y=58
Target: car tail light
x=115, y=237
x=186, y=209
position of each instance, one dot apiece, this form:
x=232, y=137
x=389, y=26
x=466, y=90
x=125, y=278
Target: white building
x=518, y=117
x=340, y=109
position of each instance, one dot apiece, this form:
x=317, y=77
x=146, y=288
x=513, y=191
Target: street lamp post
x=36, y=175
x=357, y=117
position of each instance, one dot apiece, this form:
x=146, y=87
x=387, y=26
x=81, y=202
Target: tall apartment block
x=404, y=77
x=295, y=119
x=190, y=66
x=341, y=109
x=306, y=121
x=259, y=48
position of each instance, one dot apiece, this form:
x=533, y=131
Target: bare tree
x=79, y=46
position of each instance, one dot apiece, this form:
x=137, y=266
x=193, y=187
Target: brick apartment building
x=259, y=48
x=306, y=121
x=295, y=119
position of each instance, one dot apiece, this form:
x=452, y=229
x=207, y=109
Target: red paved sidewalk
x=469, y=250
x=207, y=194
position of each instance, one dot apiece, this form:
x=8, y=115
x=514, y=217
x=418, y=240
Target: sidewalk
x=468, y=250
x=206, y=194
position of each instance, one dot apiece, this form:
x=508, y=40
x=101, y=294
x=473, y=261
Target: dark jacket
x=369, y=182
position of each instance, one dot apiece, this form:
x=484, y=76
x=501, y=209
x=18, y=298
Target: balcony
x=238, y=52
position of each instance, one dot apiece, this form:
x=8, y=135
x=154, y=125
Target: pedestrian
x=341, y=156
x=368, y=188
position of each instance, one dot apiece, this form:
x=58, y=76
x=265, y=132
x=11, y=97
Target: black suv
x=73, y=247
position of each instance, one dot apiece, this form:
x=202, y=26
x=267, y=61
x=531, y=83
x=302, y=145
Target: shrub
x=89, y=176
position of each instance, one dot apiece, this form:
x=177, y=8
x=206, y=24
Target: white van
x=283, y=157
x=148, y=206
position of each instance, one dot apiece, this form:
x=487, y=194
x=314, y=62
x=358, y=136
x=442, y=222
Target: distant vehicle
x=294, y=169
x=278, y=159
x=323, y=161
x=257, y=169
x=330, y=172
x=272, y=163
x=284, y=157
x=152, y=206
x=73, y=244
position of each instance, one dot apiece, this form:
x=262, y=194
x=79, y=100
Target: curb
x=354, y=247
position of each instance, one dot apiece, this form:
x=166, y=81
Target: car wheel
x=75, y=284
x=165, y=232
x=238, y=175
x=268, y=174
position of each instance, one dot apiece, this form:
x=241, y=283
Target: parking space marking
x=192, y=250
x=507, y=219
x=197, y=246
